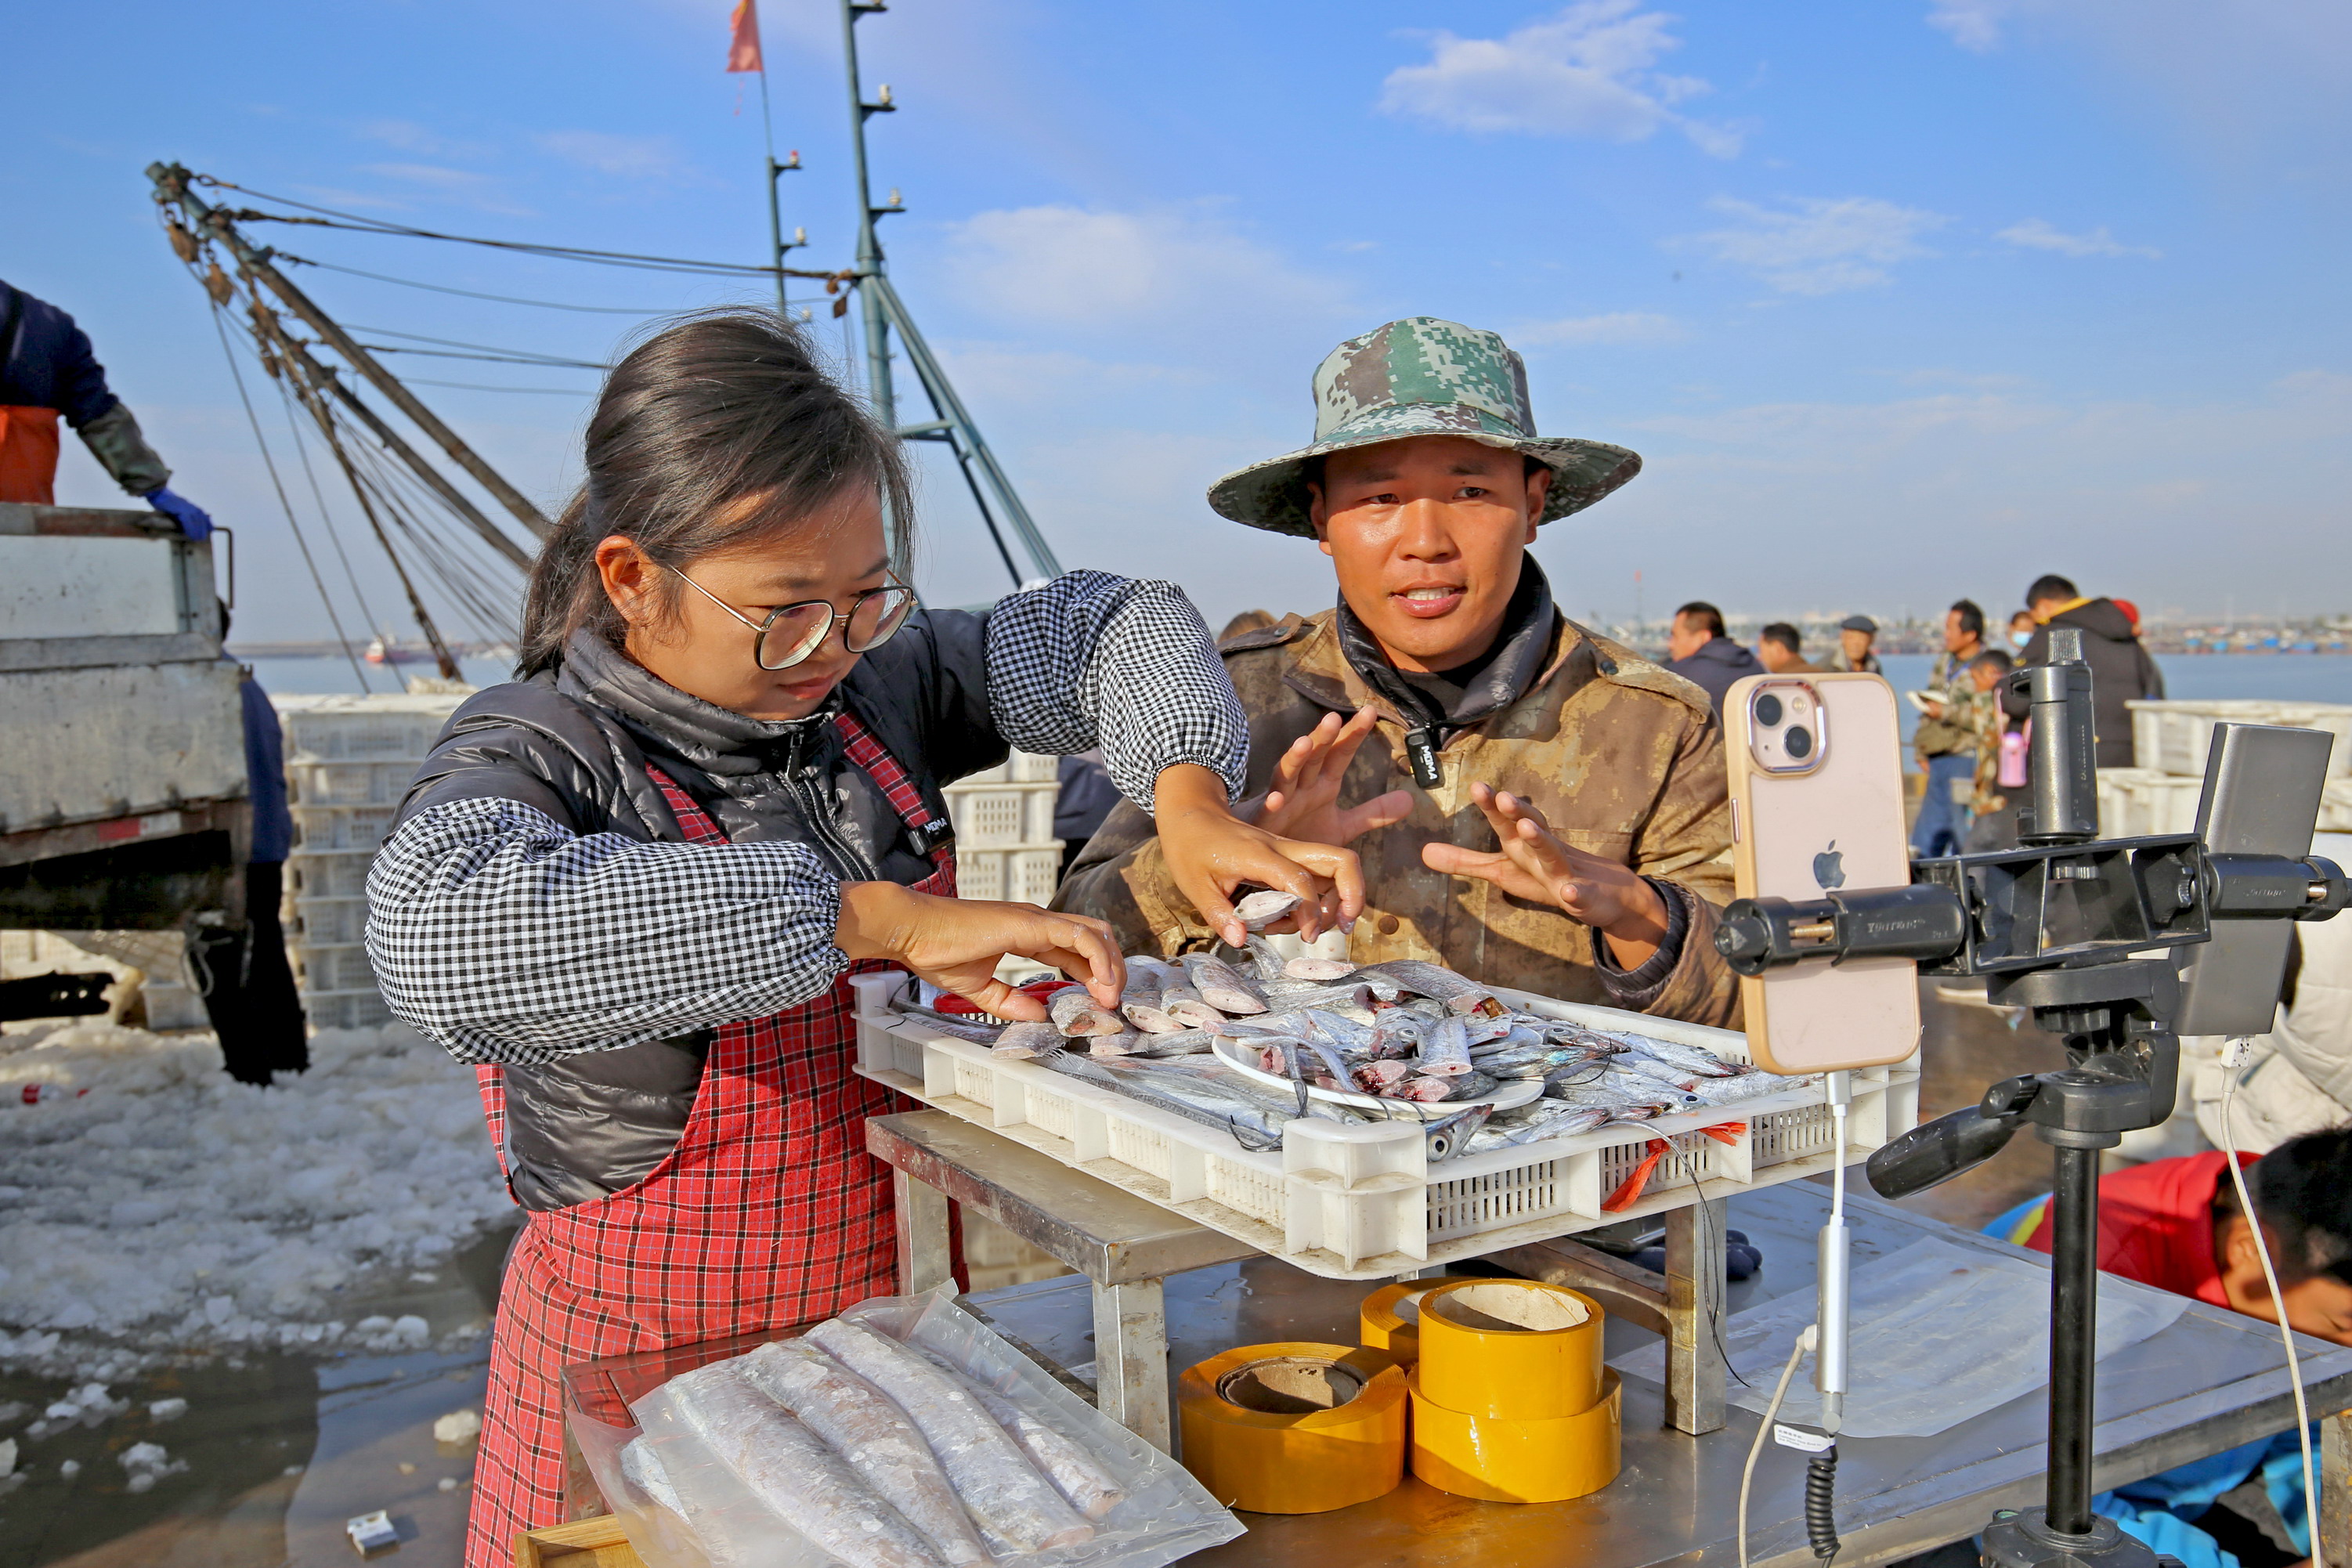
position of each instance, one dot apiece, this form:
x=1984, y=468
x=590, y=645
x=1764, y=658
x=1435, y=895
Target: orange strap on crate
x=1629, y=1190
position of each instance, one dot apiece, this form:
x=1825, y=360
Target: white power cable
x=2240, y=1049
x=1805, y=1342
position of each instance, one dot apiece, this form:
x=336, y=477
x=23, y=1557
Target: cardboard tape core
x=1290, y=1385
x=1503, y=1307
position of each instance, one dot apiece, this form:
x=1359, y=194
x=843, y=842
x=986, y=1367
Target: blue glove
x=193, y=521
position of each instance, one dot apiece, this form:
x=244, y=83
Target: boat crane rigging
x=409, y=497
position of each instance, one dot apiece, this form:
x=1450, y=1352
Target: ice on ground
x=172, y=1209
x=458, y=1426
x=147, y=1463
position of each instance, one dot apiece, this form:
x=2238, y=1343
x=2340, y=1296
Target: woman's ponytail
x=563, y=589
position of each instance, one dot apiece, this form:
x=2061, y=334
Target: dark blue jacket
x=265, y=776
x=46, y=362
x=1715, y=667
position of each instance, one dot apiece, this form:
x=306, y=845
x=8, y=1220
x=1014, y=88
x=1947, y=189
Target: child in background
x=2176, y=1225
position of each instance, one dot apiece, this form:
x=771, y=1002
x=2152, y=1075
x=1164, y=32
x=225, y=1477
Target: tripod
x=2062, y=927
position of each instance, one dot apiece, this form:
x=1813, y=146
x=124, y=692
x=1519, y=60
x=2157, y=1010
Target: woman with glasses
x=627, y=886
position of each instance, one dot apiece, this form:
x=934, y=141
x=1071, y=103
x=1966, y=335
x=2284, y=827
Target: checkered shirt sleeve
x=1090, y=659
x=504, y=937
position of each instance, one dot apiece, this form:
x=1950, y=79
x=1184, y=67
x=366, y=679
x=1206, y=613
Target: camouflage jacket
x=1624, y=760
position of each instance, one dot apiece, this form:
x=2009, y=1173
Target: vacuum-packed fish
x=1092, y=1489
x=993, y=1478
x=791, y=1468
x=867, y=1427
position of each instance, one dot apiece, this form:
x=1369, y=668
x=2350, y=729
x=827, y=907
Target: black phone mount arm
x=2053, y=926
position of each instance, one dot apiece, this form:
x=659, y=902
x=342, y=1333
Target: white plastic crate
x=346, y=1010
x=1361, y=1202
x=310, y=782
x=2138, y=802
x=328, y=874
x=1021, y=876
x=2172, y=737
x=326, y=922
x=1021, y=767
x=2335, y=806
x=384, y=727
x=994, y=816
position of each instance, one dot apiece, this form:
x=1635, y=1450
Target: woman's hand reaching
x=1211, y=854
x=957, y=944
x=1533, y=863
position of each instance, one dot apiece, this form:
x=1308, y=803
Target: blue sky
x=1899, y=301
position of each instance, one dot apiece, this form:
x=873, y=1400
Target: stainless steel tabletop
x=2210, y=1380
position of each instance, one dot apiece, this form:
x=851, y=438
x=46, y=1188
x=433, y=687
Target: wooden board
x=589, y=1543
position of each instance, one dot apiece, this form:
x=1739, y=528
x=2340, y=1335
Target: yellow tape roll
x=1390, y=1319
x=1261, y=1431
x=1517, y=1461
x=1514, y=1349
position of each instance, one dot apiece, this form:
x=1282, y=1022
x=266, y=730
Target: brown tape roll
x=1294, y=1428
x=1517, y=1461
x=1514, y=1349
x=1389, y=1319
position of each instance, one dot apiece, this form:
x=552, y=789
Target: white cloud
x=1974, y=25
x=1081, y=267
x=1585, y=72
x=422, y=140
x=462, y=185
x=1616, y=327
x=622, y=157
x=2035, y=233
x=1820, y=245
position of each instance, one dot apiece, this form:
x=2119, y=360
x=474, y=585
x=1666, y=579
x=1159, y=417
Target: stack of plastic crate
x=347, y=761
x=1005, y=847
x=2169, y=742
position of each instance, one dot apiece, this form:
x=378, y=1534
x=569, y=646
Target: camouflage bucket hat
x=1422, y=376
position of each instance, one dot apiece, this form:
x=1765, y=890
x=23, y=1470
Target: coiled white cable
x=2240, y=1049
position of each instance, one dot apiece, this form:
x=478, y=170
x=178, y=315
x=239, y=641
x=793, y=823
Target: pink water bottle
x=2014, y=746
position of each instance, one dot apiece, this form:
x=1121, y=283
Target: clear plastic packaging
x=681, y=1507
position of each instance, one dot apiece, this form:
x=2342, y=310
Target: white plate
x=1508, y=1093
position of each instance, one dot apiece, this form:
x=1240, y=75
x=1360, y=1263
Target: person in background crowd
x=2121, y=670
x=2176, y=1224
x=47, y=370
x=1855, y=633
x=1999, y=763
x=1697, y=650
x=1946, y=742
x=2298, y=1078
x=2021, y=628
x=241, y=970
x=1779, y=647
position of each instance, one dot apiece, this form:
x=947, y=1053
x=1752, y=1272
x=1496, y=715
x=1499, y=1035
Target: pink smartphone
x=1816, y=776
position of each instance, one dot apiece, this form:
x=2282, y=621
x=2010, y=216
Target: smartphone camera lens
x=1767, y=710
x=1799, y=741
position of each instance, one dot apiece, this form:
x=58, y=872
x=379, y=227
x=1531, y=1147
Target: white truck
x=122, y=776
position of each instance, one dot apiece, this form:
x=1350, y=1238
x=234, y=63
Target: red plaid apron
x=768, y=1211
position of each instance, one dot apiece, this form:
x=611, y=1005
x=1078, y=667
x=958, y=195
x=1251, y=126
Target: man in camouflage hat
x=1540, y=806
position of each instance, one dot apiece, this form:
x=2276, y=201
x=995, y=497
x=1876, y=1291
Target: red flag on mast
x=743, y=45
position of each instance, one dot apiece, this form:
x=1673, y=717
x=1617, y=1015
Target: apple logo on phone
x=1829, y=868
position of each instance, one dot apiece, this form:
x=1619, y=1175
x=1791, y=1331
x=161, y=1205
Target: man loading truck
x=48, y=371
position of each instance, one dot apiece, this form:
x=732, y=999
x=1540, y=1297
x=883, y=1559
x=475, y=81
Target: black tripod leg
x=2074, y=1323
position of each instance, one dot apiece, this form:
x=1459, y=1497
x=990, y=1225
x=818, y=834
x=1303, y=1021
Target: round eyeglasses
x=792, y=632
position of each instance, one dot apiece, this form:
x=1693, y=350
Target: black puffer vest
x=575, y=743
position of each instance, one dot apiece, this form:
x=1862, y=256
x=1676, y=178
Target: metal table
x=2210, y=1381
x=1127, y=1245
